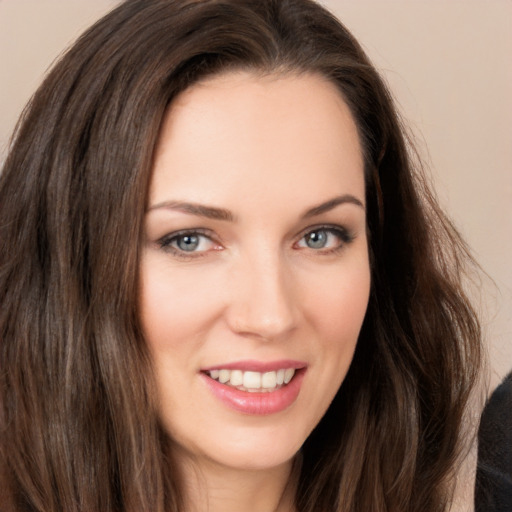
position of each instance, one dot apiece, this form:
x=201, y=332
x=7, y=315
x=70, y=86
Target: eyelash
x=165, y=243
x=344, y=235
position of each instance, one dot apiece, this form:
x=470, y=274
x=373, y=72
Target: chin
x=247, y=449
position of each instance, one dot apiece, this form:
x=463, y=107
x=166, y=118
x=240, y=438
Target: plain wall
x=448, y=64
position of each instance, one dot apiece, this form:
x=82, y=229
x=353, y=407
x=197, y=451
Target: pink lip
x=258, y=366
x=257, y=403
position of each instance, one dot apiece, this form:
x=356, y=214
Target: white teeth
x=253, y=381
x=269, y=380
x=224, y=376
x=288, y=374
x=237, y=378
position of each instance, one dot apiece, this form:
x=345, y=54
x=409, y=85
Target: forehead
x=242, y=132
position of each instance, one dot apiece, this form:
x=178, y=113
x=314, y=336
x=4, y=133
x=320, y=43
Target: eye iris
x=188, y=242
x=316, y=239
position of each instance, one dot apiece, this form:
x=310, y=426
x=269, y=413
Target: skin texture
x=265, y=150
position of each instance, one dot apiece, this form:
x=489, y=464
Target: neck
x=215, y=488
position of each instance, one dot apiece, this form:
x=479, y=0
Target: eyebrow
x=212, y=212
x=332, y=203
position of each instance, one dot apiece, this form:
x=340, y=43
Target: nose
x=262, y=302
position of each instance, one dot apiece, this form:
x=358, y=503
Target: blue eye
x=187, y=243
x=329, y=238
x=317, y=239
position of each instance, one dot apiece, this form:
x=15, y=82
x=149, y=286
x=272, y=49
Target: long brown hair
x=78, y=423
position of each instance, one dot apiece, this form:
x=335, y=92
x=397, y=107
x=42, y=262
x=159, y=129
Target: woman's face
x=255, y=275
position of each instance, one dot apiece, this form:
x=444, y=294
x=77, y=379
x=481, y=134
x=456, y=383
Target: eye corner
x=189, y=243
x=324, y=238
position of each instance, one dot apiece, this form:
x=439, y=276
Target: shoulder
x=493, y=491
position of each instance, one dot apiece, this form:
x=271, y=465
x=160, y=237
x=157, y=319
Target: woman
x=224, y=284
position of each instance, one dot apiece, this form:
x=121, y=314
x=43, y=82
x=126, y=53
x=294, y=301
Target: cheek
x=174, y=305
x=336, y=307
x=339, y=300
x=337, y=312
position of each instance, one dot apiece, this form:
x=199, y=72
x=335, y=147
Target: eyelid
x=326, y=226
x=165, y=242
x=346, y=236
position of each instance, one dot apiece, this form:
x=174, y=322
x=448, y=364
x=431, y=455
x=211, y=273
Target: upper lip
x=257, y=366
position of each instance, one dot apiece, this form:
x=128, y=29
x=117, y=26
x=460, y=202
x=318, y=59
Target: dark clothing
x=493, y=491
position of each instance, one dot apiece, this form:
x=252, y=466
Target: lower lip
x=261, y=404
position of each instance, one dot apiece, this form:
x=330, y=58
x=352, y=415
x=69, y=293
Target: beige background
x=448, y=63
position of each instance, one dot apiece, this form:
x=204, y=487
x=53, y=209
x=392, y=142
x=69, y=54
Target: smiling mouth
x=253, y=382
